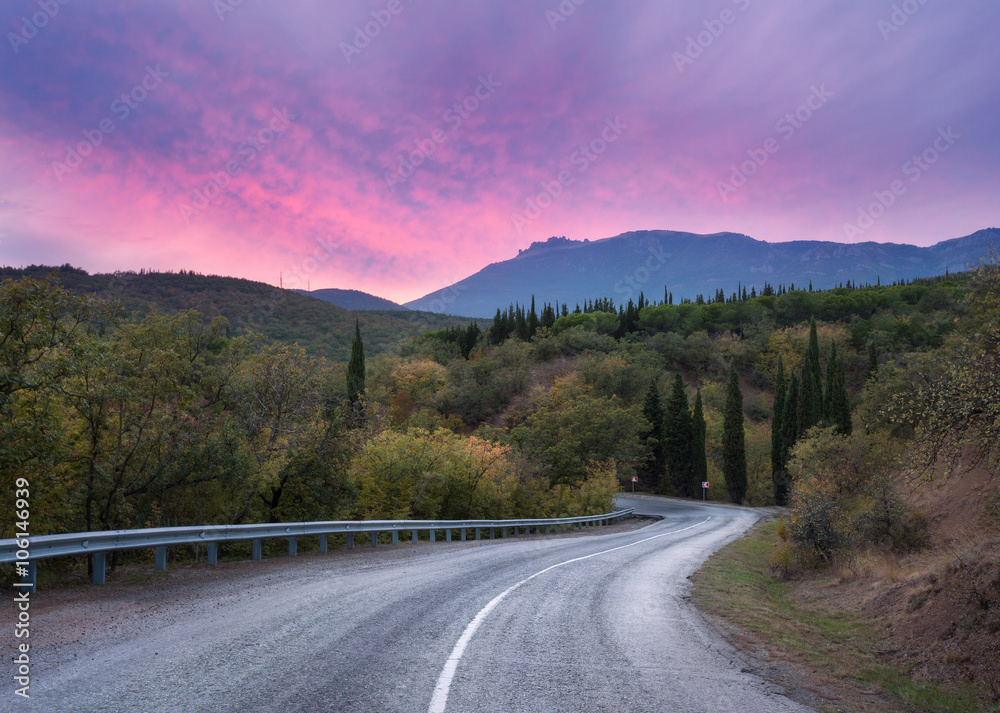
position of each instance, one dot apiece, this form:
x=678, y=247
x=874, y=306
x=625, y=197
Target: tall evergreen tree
x=840, y=401
x=532, y=319
x=872, y=361
x=734, y=456
x=831, y=377
x=812, y=358
x=677, y=435
x=779, y=478
x=356, y=366
x=652, y=410
x=789, y=419
x=699, y=459
x=810, y=406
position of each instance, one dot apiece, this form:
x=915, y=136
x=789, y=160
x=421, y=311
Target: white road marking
x=440, y=698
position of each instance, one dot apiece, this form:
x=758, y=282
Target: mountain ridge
x=688, y=264
x=353, y=299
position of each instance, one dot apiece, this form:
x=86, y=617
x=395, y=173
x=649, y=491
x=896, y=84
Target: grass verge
x=839, y=650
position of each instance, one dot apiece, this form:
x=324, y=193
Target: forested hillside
x=176, y=418
x=318, y=326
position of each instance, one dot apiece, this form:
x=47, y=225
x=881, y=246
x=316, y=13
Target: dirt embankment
x=938, y=609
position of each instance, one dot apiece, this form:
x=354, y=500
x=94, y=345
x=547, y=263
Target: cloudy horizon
x=396, y=147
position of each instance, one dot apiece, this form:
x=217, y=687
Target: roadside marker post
x=704, y=489
x=635, y=479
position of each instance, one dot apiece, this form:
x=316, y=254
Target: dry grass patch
x=802, y=622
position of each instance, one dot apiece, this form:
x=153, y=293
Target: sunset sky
x=397, y=146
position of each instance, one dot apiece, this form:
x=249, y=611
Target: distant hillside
x=687, y=264
x=352, y=299
x=319, y=327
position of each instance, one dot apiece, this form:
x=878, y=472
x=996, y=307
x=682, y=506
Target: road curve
x=595, y=623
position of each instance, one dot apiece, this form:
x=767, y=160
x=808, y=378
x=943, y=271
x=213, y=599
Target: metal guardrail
x=100, y=543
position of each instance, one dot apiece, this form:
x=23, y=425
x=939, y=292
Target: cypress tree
x=734, y=456
x=840, y=401
x=804, y=406
x=677, y=436
x=532, y=320
x=356, y=366
x=699, y=460
x=789, y=420
x=872, y=361
x=831, y=378
x=779, y=478
x=812, y=360
x=810, y=406
x=521, y=325
x=652, y=410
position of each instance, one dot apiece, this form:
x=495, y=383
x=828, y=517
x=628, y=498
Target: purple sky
x=263, y=137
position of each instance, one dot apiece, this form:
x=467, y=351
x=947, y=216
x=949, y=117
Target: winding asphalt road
x=541, y=625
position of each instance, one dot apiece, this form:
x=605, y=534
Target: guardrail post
x=322, y=544
x=293, y=547
x=161, y=558
x=433, y=536
x=395, y=537
x=213, y=553
x=29, y=580
x=99, y=561
x=478, y=532
x=258, y=549
x=503, y=532
x=413, y=536
x=493, y=533
x=350, y=540
x=447, y=535
x=374, y=539
x=463, y=535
